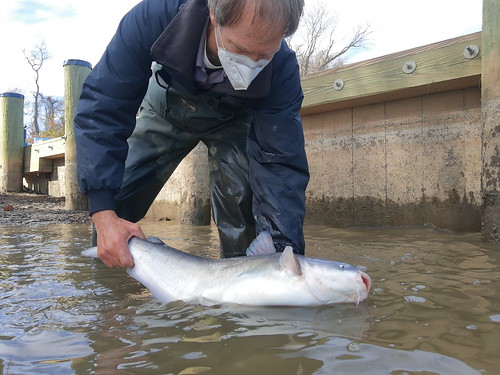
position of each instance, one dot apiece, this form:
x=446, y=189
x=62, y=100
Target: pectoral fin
x=289, y=262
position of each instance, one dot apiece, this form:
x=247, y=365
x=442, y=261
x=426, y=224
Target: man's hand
x=113, y=235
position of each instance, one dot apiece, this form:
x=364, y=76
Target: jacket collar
x=177, y=47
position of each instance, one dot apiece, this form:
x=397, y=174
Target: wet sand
x=36, y=209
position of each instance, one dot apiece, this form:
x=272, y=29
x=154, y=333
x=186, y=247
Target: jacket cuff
x=100, y=200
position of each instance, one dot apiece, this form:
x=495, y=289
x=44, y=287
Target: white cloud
x=34, y=11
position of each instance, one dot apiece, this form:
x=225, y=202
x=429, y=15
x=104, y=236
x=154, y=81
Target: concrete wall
x=397, y=146
x=44, y=167
x=402, y=162
x=50, y=183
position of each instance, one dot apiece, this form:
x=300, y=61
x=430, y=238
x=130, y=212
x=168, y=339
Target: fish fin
x=289, y=261
x=90, y=252
x=262, y=245
x=154, y=239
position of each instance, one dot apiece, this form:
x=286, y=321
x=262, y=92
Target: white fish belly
x=264, y=289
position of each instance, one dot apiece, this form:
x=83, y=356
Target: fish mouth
x=361, y=294
x=367, y=281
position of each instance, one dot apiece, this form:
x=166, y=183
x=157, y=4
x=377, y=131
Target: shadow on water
x=434, y=309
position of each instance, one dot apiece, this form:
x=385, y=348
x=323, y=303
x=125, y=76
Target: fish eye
x=343, y=266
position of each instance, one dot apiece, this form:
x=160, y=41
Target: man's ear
x=212, y=18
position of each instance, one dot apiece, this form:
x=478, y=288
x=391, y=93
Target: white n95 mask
x=241, y=70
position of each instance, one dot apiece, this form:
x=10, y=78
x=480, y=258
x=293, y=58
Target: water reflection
x=223, y=338
x=52, y=351
x=434, y=308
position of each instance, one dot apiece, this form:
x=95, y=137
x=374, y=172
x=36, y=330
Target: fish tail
x=90, y=252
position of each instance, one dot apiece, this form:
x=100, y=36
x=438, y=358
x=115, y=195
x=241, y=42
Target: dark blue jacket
x=168, y=32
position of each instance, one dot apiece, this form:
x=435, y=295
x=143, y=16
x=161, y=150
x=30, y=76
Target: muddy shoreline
x=37, y=209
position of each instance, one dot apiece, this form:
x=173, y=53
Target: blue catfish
x=263, y=278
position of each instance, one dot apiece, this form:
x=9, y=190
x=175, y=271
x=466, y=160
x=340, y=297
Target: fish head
x=334, y=282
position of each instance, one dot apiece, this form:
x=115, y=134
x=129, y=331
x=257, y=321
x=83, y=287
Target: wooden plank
x=439, y=66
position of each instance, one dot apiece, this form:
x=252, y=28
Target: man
x=222, y=74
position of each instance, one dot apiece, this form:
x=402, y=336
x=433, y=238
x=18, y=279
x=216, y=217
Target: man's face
x=255, y=38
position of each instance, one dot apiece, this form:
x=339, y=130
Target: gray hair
x=277, y=12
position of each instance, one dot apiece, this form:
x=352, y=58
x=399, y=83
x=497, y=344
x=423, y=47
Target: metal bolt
x=338, y=84
x=471, y=51
x=409, y=67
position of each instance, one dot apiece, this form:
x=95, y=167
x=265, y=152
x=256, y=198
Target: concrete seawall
x=399, y=141
x=402, y=162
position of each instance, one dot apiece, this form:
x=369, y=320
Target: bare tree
x=35, y=58
x=51, y=116
x=318, y=50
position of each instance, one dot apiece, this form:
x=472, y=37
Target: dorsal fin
x=289, y=262
x=262, y=245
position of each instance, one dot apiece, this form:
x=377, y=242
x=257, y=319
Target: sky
x=82, y=29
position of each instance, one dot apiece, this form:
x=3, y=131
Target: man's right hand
x=113, y=234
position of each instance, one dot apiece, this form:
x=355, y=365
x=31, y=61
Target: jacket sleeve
x=110, y=99
x=278, y=165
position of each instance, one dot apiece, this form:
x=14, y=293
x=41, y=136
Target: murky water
x=434, y=309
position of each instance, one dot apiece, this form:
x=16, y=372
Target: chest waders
x=171, y=122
